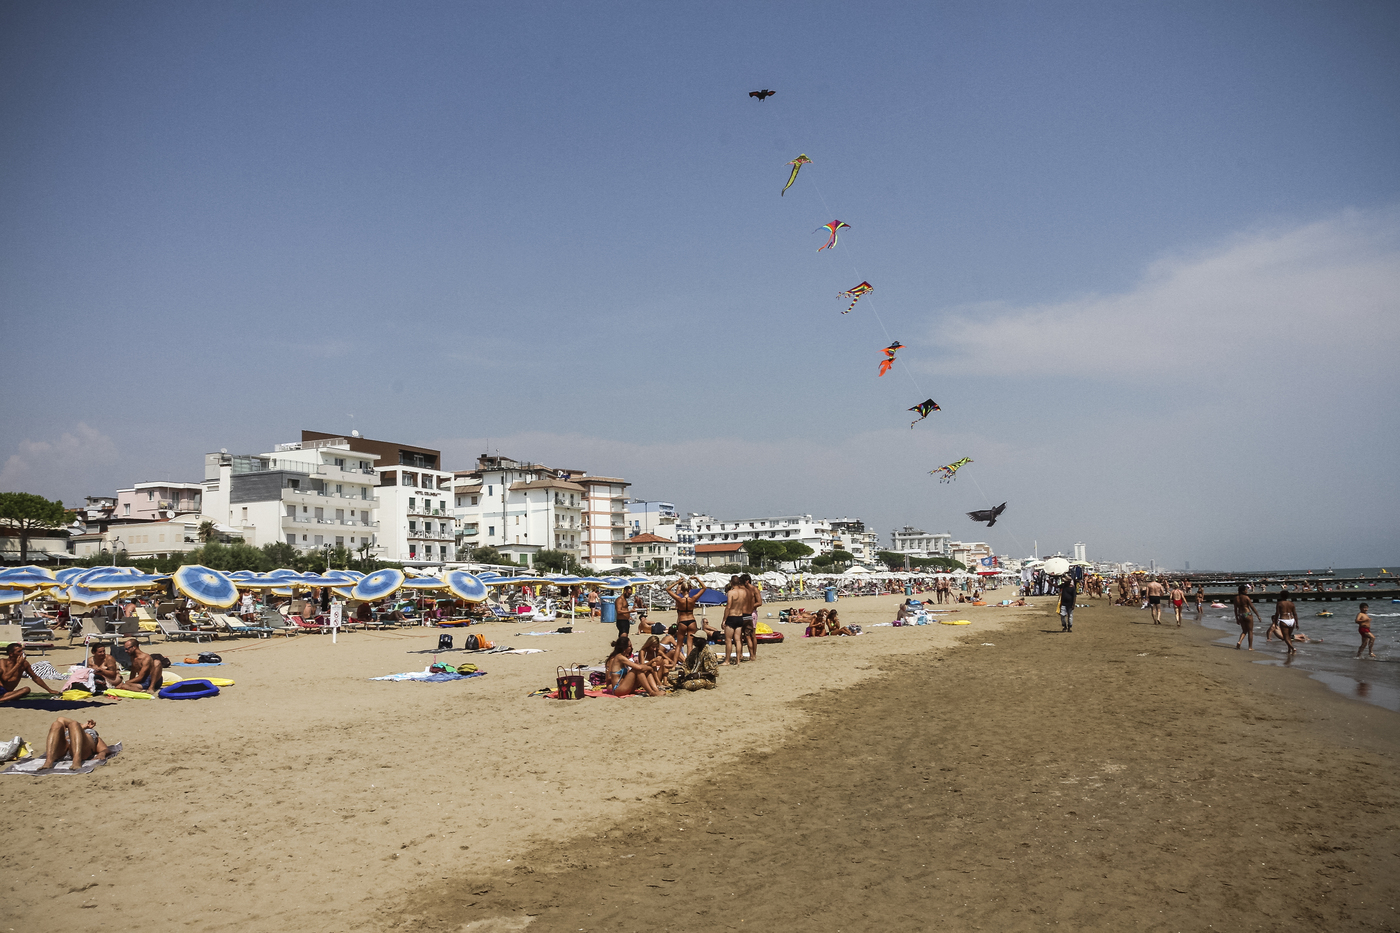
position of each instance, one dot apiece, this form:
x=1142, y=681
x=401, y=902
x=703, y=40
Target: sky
x=1145, y=256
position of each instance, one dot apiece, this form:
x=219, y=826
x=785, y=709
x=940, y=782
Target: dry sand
x=1123, y=777
x=308, y=796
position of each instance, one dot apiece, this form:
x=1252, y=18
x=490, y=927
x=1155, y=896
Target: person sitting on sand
x=147, y=670
x=654, y=656
x=66, y=735
x=907, y=610
x=104, y=667
x=13, y=667
x=1363, y=628
x=625, y=676
x=834, y=626
x=818, y=627
x=698, y=671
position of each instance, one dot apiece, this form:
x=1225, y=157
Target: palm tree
x=207, y=531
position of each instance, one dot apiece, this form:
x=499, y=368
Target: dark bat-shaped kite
x=762, y=94
x=987, y=515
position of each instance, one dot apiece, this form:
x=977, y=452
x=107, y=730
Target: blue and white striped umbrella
x=205, y=585
x=378, y=585
x=27, y=577
x=87, y=597
x=466, y=586
x=10, y=597
x=424, y=583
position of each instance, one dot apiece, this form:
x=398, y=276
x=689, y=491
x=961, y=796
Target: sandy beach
x=998, y=775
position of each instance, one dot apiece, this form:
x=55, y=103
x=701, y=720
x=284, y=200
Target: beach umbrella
x=709, y=596
x=1056, y=566
x=320, y=579
x=424, y=583
x=10, y=597
x=378, y=585
x=119, y=581
x=466, y=586
x=206, y=585
x=29, y=576
x=87, y=597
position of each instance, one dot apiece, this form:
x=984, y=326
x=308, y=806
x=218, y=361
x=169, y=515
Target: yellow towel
x=130, y=695
x=955, y=621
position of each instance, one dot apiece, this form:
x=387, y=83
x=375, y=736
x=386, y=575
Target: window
x=490, y=531
x=339, y=541
x=292, y=540
x=412, y=527
x=413, y=551
x=364, y=517
x=412, y=502
x=488, y=490
x=127, y=509
x=303, y=539
x=339, y=490
x=474, y=498
x=340, y=462
x=364, y=492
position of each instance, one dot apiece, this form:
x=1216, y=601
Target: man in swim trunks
x=624, y=612
x=738, y=604
x=1244, y=608
x=751, y=620
x=1363, y=627
x=1200, y=601
x=1154, y=599
x=685, y=610
x=147, y=670
x=14, y=666
x=1286, y=617
x=1178, y=600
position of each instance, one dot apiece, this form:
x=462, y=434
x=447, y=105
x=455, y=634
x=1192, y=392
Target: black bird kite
x=987, y=515
x=762, y=94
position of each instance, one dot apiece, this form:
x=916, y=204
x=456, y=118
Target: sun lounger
x=87, y=632
x=303, y=626
x=236, y=626
x=276, y=623
x=147, y=618
x=131, y=628
x=173, y=632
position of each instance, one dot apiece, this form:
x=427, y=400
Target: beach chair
x=237, y=626
x=276, y=623
x=302, y=625
x=33, y=639
x=147, y=619
x=87, y=632
x=130, y=627
x=172, y=631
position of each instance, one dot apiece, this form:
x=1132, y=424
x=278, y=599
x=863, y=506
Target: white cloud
x=56, y=467
x=1329, y=289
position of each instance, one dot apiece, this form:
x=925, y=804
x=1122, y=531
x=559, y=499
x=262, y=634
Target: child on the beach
x=1363, y=627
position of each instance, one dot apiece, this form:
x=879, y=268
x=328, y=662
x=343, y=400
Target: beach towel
x=506, y=650
x=46, y=670
x=57, y=704
x=553, y=694
x=35, y=766
x=425, y=677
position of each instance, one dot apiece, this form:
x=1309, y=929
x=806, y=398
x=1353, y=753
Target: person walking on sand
x=1363, y=628
x=1286, y=618
x=1244, y=609
x=1200, y=601
x=1067, y=596
x=1178, y=600
x=1154, y=599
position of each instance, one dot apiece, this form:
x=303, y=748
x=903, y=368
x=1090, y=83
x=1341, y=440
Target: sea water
x=1333, y=660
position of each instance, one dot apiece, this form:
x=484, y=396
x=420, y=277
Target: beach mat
x=50, y=704
x=422, y=677
x=34, y=766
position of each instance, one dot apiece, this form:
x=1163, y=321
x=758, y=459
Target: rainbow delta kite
x=948, y=472
x=856, y=294
x=833, y=227
x=796, y=164
x=923, y=410
x=890, y=351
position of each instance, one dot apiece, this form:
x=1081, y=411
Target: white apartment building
x=648, y=517
x=970, y=554
x=416, y=525
x=520, y=509
x=309, y=494
x=1079, y=552
x=649, y=552
x=849, y=534
x=915, y=543
x=605, y=520
x=685, y=541
x=142, y=538
x=815, y=533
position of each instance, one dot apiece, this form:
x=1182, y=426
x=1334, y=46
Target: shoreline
x=1127, y=775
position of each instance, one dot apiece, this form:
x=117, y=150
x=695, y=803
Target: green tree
x=488, y=555
x=207, y=532
x=29, y=513
x=841, y=557
x=796, y=550
x=762, y=552
x=557, y=562
x=279, y=554
x=823, y=562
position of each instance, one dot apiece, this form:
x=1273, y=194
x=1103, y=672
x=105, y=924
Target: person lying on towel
x=14, y=666
x=66, y=735
x=147, y=670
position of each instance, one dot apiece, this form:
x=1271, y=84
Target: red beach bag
x=571, y=683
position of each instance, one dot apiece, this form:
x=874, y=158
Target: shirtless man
x=1154, y=599
x=751, y=620
x=1244, y=608
x=147, y=670
x=1200, y=601
x=104, y=666
x=1178, y=601
x=685, y=610
x=13, y=667
x=1286, y=618
x=738, y=605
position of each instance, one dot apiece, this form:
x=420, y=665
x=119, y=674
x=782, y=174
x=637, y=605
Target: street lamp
x=116, y=546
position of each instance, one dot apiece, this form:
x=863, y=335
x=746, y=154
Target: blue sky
x=1146, y=256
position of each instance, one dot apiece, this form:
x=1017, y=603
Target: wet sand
x=1127, y=776
x=309, y=797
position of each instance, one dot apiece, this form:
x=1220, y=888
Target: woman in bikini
x=1363, y=628
x=685, y=609
x=83, y=740
x=818, y=627
x=1286, y=620
x=625, y=676
x=654, y=656
x=834, y=626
